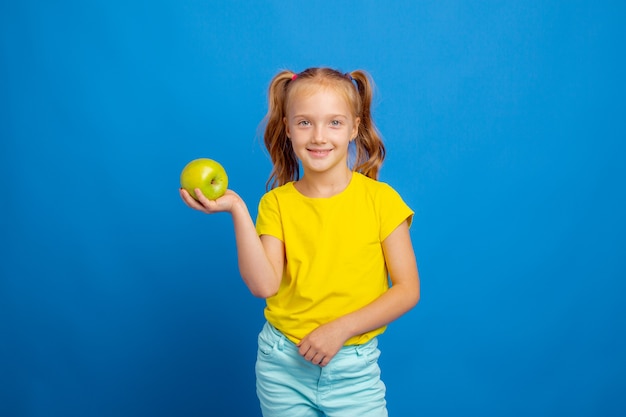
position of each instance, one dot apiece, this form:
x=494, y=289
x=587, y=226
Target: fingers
x=201, y=204
x=201, y=198
x=322, y=344
x=188, y=199
x=314, y=356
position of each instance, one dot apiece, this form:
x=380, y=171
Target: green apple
x=207, y=175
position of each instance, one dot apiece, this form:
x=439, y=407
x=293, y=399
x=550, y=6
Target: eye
x=304, y=123
x=335, y=123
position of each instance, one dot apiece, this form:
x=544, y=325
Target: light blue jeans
x=290, y=386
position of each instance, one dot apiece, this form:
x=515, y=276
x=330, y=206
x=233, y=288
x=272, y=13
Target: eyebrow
x=331, y=116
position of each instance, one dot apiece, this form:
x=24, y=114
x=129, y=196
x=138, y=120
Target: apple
x=207, y=175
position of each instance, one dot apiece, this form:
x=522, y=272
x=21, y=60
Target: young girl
x=324, y=248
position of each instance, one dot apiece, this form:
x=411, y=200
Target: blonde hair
x=370, y=150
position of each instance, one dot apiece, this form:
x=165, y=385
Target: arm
x=261, y=259
x=322, y=344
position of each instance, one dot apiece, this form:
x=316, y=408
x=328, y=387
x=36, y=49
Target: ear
x=355, y=129
x=286, y=127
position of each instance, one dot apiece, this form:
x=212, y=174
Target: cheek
x=297, y=144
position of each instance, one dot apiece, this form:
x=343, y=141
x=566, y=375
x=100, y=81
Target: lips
x=319, y=153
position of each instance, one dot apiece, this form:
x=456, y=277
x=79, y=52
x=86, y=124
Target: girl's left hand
x=322, y=344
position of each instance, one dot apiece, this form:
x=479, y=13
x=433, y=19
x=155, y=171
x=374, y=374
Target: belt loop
x=281, y=342
x=357, y=348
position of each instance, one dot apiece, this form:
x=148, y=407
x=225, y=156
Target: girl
x=323, y=250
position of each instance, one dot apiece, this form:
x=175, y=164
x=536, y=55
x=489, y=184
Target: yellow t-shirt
x=334, y=257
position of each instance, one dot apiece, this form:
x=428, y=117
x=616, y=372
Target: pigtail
x=285, y=166
x=370, y=150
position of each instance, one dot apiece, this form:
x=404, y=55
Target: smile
x=319, y=153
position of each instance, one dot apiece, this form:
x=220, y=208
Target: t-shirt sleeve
x=393, y=211
x=268, y=220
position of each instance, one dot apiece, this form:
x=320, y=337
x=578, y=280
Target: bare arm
x=321, y=345
x=260, y=259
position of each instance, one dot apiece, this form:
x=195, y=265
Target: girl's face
x=321, y=125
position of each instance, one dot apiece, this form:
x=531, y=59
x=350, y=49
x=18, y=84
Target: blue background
x=505, y=128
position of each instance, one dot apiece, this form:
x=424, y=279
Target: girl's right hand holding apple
x=225, y=203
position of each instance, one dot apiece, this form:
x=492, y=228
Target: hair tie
x=294, y=76
x=348, y=76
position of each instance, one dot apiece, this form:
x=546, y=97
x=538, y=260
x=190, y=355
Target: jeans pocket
x=369, y=352
x=267, y=344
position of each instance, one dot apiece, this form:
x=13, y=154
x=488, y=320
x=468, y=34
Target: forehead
x=307, y=94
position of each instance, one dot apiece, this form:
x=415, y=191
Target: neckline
x=331, y=197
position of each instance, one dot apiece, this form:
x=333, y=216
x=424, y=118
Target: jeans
x=290, y=386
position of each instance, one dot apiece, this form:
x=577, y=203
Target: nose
x=318, y=135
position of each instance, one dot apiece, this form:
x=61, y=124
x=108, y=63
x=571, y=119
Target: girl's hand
x=223, y=204
x=323, y=343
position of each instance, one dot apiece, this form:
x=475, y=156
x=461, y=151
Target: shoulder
x=374, y=188
x=279, y=191
x=388, y=204
x=276, y=195
x=382, y=195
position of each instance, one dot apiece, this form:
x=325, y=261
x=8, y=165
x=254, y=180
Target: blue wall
x=505, y=126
